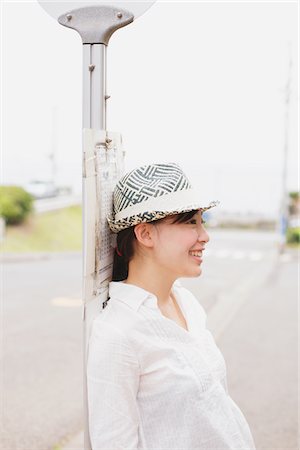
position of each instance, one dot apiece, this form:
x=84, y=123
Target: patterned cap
x=152, y=192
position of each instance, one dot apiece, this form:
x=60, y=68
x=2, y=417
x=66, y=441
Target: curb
x=37, y=256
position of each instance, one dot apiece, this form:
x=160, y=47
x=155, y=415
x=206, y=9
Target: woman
x=156, y=379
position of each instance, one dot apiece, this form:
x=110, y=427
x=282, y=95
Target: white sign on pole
x=56, y=8
x=103, y=166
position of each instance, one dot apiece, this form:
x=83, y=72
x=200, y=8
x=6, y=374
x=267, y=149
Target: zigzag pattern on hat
x=147, y=182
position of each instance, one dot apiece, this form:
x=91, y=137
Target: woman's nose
x=203, y=236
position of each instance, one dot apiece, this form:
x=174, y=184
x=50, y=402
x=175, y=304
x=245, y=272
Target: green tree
x=15, y=204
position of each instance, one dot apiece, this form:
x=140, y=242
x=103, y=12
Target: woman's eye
x=194, y=221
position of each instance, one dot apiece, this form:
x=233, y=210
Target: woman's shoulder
x=114, y=321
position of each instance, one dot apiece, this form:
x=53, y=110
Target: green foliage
x=293, y=235
x=294, y=195
x=15, y=204
x=57, y=231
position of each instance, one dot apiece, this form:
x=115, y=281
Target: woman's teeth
x=199, y=254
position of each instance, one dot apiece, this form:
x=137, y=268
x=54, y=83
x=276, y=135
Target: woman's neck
x=153, y=279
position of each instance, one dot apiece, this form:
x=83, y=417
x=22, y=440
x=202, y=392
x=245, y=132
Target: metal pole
x=94, y=86
x=95, y=25
x=53, y=150
x=93, y=116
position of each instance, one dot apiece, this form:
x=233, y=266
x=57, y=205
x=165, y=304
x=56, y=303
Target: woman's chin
x=199, y=273
x=193, y=274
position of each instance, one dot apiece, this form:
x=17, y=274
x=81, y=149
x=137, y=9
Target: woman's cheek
x=194, y=235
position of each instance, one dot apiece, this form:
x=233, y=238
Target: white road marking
x=238, y=255
x=67, y=302
x=222, y=253
x=255, y=256
x=285, y=257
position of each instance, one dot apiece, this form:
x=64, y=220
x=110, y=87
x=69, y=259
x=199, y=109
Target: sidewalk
x=37, y=256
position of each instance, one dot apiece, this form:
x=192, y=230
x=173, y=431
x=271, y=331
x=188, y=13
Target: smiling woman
x=126, y=242
x=156, y=378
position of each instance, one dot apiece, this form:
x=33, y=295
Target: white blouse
x=152, y=385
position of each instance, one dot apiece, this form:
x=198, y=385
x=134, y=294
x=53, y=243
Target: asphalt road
x=260, y=347
x=42, y=353
x=42, y=340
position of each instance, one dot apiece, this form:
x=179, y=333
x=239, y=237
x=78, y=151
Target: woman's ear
x=144, y=234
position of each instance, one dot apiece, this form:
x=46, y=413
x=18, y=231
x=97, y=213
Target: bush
x=15, y=204
x=293, y=235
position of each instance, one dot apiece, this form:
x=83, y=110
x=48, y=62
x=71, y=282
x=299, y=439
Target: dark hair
x=125, y=247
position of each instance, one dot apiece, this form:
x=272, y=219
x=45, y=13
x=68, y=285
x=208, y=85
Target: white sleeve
x=112, y=385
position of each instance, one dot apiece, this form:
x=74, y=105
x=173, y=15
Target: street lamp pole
x=284, y=196
x=95, y=25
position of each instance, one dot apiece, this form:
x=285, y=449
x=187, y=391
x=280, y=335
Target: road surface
x=242, y=278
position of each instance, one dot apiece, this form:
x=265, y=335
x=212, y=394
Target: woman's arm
x=112, y=382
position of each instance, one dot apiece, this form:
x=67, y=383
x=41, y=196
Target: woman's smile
x=197, y=258
x=196, y=255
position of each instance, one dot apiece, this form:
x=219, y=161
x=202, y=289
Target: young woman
x=156, y=379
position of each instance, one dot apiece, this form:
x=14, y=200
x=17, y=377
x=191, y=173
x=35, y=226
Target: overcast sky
x=198, y=83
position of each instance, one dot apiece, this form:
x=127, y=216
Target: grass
x=54, y=231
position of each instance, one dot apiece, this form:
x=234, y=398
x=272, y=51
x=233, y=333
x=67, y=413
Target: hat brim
x=150, y=216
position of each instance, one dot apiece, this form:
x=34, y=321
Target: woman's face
x=178, y=246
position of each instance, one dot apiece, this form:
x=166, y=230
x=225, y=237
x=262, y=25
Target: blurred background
x=209, y=85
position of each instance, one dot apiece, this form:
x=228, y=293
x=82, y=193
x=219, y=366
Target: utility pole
x=283, y=220
x=52, y=155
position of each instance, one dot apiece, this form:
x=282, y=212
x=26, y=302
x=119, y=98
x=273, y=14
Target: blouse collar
x=134, y=296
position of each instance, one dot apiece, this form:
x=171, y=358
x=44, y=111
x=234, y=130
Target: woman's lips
x=197, y=258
